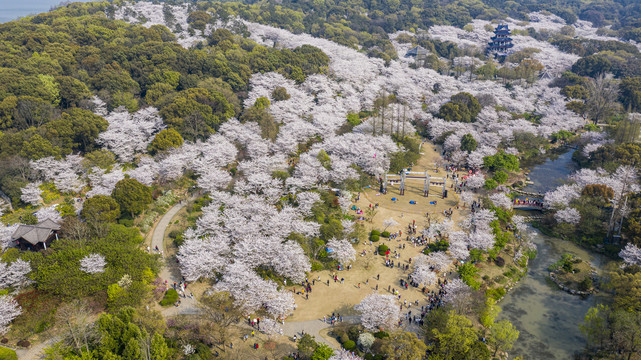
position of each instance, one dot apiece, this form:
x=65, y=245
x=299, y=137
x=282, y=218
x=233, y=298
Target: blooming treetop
x=93, y=264
x=475, y=181
x=457, y=293
x=270, y=327
x=422, y=275
x=561, y=196
x=14, y=275
x=631, y=254
x=379, y=311
x=344, y=252
x=5, y=235
x=48, y=213
x=253, y=293
x=343, y=354
x=103, y=182
x=129, y=133
x=202, y=256
x=9, y=310
x=64, y=173
x=501, y=200
x=568, y=215
x=31, y=193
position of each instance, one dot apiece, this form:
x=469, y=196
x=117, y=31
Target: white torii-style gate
x=405, y=175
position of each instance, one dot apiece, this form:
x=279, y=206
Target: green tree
x=489, y=313
x=403, y=345
x=630, y=89
x=451, y=336
x=164, y=140
x=322, y=352
x=159, y=349
x=37, y=148
x=100, y=208
x=132, y=196
x=500, y=177
x=595, y=326
x=280, y=93
x=502, y=336
x=468, y=143
x=463, y=107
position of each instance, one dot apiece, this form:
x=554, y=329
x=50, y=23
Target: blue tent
x=329, y=250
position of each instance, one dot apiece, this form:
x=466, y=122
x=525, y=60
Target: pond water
x=548, y=319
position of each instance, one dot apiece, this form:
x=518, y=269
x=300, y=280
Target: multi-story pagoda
x=501, y=42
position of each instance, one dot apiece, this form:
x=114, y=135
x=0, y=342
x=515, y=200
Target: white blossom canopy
x=379, y=311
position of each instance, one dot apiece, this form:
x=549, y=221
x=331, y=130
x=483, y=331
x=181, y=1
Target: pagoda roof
x=36, y=233
x=415, y=51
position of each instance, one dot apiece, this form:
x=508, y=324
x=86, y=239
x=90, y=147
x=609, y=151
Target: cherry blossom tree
x=466, y=197
x=568, y=215
x=423, y=275
x=379, y=311
x=343, y=251
x=252, y=292
x=9, y=310
x=14, y=275
x=389, y=223
x=202, y=257
x=93, y=264
x=5, y=235
x=458, y=294
x=501, y=200
x=31, y=193
x=48, y=213
x=343, y=354
x=475, y=181
x=64, y=173
x=103, y=182
x=631, y=254
x=128, y=133
x=561, y=196
x=270, y=327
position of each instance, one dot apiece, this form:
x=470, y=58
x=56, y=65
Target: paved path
x=313, y=328
x=170, y=271
x=35, y=352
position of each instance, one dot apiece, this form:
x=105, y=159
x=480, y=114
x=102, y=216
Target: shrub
x=374, y=238
x=349, y=345
x=495, y=294
x=344, y=338
x=8, y=354
x=586, y=284
x=500, y=261
x=441, y=245
x=174, y=234
x=317, y=266
x=381, y=335
x=382, y=249
x=171, y=296
x=385, y=234
x=490, y=184
x=375, y=232
x=126, y=222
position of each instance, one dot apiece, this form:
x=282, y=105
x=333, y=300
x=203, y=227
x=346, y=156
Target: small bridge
x=528, y=205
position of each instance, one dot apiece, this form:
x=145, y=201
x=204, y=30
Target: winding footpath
x=168, y=272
